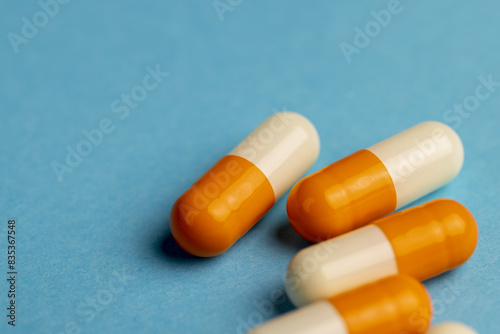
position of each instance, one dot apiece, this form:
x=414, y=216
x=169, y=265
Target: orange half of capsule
x=398, y=304
x=361, y=190
x=221, y=206
x=443, y=235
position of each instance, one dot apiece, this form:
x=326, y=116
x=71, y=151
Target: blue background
x=93, y=250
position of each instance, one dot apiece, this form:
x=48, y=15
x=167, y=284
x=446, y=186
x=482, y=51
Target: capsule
x=374, y=182
x=422, y=242
x=394, y=305
x=451, y=328
x=239, y=189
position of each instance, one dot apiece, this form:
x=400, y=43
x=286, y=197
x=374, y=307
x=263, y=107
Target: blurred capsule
x=451, y=328
x=394, y=305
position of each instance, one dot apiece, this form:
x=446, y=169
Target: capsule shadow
x=287, y=236
x=285, y=307
x=445, y=277
x=171, y=249
x=279, y=299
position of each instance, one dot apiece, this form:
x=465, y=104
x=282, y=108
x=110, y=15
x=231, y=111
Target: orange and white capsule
x=394, y=305
x=374, y=182
x=451, y=328
x=239, y=189
x=421, y=242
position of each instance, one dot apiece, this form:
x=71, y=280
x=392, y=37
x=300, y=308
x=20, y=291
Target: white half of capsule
x=451, y=328
x=421, y=159
x=340, y=264
x=283, y=147
x=318, y=318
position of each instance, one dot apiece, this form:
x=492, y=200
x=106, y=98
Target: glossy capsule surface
x=451, y=328
x=422, y=242
x=241, y=187
x=374, y=182
x=394, y=305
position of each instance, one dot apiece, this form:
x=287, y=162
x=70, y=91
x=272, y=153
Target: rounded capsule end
x=460, y=227
x=451, y=328
x=193, y=235
x=309, y=211
x=390, y=305
x=220, y=207
x=431, y=238
x=304, y=282
x=444, y=133
x=341, y=197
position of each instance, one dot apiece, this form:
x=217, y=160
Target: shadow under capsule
x=447, y=278
x=170, y=248
x=285, y=234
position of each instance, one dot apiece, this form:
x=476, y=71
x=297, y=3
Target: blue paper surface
x=93, y=248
